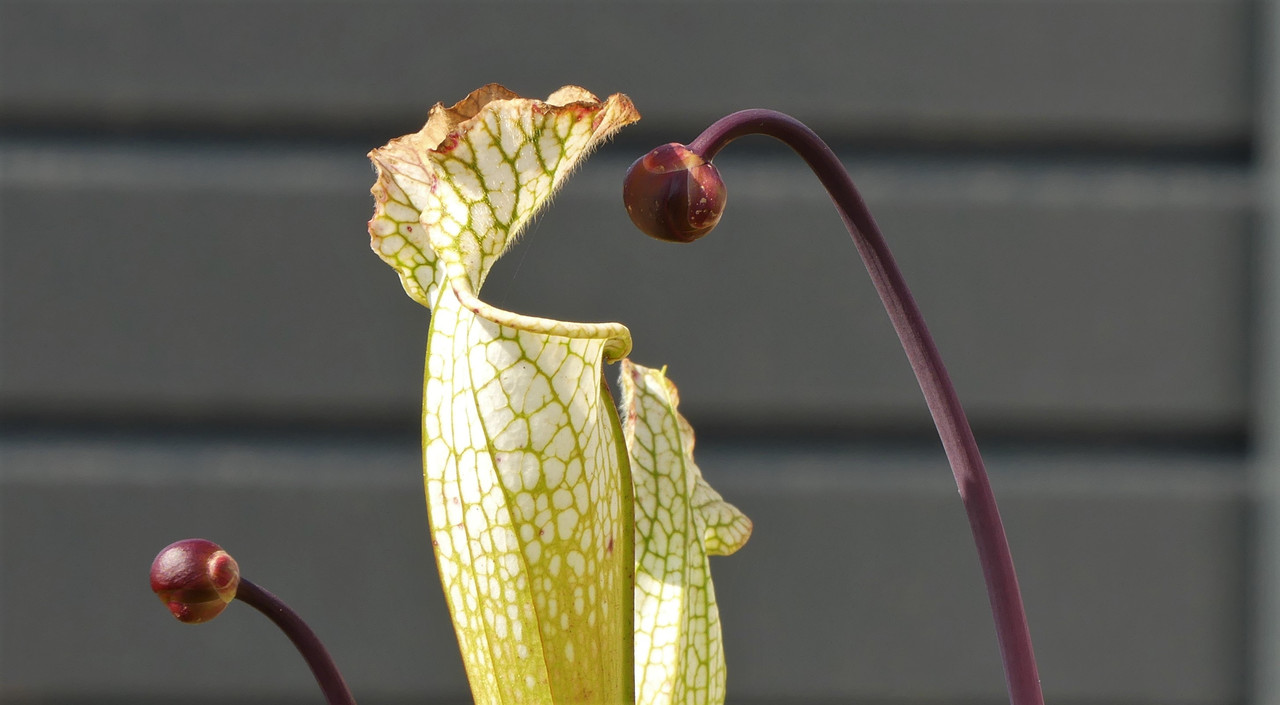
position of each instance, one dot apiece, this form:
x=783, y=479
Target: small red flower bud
x=674, y=194
x=195, y=579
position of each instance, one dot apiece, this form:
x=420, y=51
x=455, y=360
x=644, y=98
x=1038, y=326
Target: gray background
x=196, y=341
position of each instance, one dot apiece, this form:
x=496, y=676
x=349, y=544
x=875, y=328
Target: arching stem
x=308, y=644
x=953, y=427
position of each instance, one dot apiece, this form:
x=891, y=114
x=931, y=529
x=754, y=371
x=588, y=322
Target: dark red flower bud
x=195, y=579
x=674, y=194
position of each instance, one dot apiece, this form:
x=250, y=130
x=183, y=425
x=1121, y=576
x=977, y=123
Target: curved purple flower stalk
x=196, y=580
x=304, y=639
x=674, y=193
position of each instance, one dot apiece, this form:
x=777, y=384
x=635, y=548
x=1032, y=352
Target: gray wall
x=195, y=339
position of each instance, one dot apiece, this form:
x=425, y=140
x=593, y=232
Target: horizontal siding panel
x=1167, y=72
x=859, y=583
x=192, y=284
